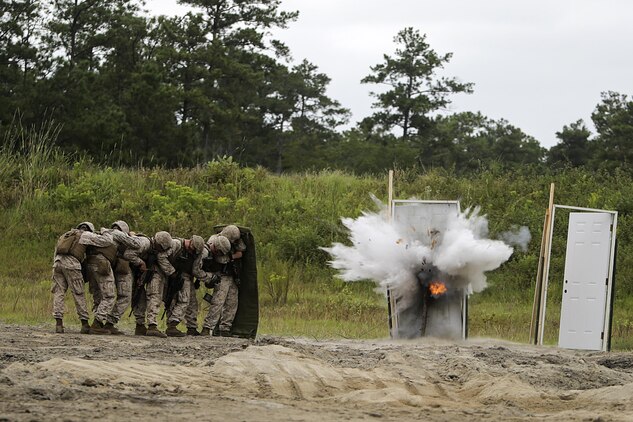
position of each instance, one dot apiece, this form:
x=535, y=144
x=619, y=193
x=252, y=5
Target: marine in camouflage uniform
x=120, y=232
x=67, y=274
x=176, y=304
x=100, y=278
x=188, y=264
x=224, y=293
x=148, y=305
x=238, y=247
x=207, y=251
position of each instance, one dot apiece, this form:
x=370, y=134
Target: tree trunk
x=280, y=142
x=206, y=129
x=407, y=111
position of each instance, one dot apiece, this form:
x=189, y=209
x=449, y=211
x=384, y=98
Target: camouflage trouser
x=154, y=297
x=101, y=279
x=179, y=304
x=93, y=288
x=64, y=278
x=123, y=285
x=140, y=308
x=223, y=305
x=191, y=315
x=123, y=296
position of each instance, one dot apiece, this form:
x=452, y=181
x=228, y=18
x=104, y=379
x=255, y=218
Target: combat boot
x=173, y=331
x=205, y=331
x=153, y=331
x=140, y=330
x=59, y=326
x=224, y=333
x=85, y=327
x=113, y=330
x=98, y=328
x=192, y=332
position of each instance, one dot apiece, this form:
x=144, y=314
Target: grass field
x=327, y=310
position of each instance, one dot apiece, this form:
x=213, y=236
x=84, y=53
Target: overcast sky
x=540, y=64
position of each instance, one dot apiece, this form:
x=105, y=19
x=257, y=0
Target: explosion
x=388, y=253
x=418, y=264
x=437, y=288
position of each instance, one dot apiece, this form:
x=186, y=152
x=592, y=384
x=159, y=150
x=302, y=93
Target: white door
x=419, y=220
x=583, y=310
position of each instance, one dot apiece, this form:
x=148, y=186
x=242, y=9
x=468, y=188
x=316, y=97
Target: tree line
x=128, y=88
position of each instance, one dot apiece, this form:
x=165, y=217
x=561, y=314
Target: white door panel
x=585, y=282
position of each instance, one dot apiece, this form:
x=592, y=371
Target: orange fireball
x=437, y=288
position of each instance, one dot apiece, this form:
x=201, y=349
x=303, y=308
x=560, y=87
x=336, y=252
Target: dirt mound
x=44, y=376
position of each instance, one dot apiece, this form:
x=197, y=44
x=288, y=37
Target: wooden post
x=535, y=328
x=537, y=289
x=545, y=272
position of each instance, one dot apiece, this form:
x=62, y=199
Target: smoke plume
x=389, y=254
x=518, y=236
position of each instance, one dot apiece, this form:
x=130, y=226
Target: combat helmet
x=88, y=224
x=197, y=243
x=163, y=239
x=221, y=243
x=231, y=232
x=121, y=225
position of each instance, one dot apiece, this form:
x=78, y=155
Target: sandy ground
x=44, y=376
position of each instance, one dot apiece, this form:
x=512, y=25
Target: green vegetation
x=128, y=88
x=45, y=192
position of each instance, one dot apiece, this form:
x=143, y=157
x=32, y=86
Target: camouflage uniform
x=148, y=305
x=123, y=282
x=67, y=274
x=122, y=275
x=99, y=275
x=176, y=309
x=191, y=314
x=137, y=257
x=202, y=276
x=224, y=301
x=238, y=247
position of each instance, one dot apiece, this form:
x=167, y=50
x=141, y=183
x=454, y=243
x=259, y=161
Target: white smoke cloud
x=385, y=253
x=378, y=252
x=466, y=254
x=518, y=236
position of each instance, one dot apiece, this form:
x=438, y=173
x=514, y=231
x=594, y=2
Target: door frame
x=392, y=305
x=606, y=341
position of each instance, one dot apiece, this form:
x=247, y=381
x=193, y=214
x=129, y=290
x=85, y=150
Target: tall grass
x=24, y=299
x=29, y=161
x=44, y=192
